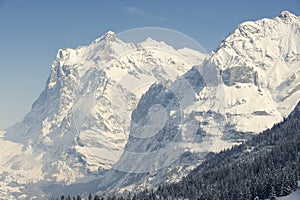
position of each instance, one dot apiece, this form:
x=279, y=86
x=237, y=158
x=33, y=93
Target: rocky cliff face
x=79, y=125
x=250, y=83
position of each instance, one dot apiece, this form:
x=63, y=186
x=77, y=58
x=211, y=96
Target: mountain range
x=120, y=116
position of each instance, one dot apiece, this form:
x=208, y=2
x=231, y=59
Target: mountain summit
x=79, y=125
x=247, y=85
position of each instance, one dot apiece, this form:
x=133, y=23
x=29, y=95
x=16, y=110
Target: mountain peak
x=153, y=43
x=109, y=36
x=286, y=15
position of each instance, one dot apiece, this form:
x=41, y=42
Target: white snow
x=79, y=125
x=293, y=196
x=252, y=82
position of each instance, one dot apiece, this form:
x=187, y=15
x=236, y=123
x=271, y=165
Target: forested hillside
x=266, y=166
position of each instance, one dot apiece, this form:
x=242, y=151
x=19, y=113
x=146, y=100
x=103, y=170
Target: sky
x=32, y=31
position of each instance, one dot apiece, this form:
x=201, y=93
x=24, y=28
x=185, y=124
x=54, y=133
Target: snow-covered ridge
x=250, y=83
x=79, y=125
x=269, y=50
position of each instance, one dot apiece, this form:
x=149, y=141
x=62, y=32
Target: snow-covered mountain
x=79, y=125
x=134, y=115
x=247, y=85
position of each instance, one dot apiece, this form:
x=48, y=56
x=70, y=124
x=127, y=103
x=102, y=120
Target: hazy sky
x=31, y=32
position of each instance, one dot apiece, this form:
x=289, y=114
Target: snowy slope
x=250, y=83
x=79, y=125
x=78, y=129
x=293, y=196
x=268, y=50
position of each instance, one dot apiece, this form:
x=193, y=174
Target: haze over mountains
x=111, y=105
